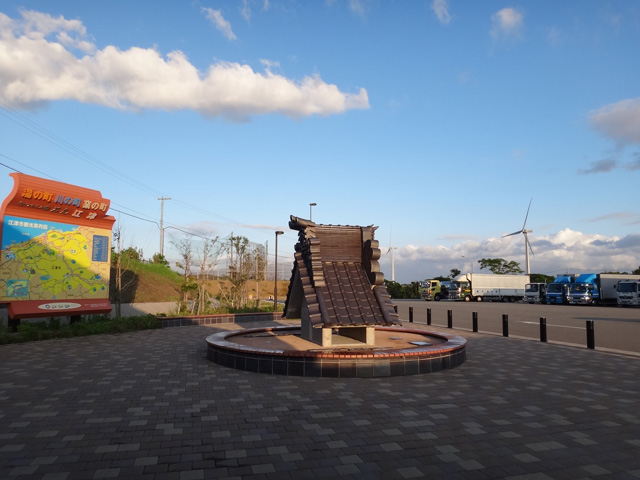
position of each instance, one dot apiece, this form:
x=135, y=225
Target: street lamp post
x=311, y=205
x=275, y=287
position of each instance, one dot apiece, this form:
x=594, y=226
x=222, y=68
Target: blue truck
x=596, y=288
x=558, y=290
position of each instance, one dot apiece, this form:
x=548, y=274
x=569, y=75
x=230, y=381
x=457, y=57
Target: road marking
x=554, y=325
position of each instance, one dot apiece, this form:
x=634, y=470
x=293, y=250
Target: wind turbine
x=525, y=232
x=393, y=266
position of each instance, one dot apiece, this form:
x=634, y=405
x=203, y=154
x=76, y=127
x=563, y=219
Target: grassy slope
x=144, y=283
x=156, y=283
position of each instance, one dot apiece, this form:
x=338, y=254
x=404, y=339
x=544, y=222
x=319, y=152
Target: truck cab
x=558, y=290
x=460, y=290
x=430, y=288
x=434, y=290
x=584, y=290
x=535, y=293
x=628, y=293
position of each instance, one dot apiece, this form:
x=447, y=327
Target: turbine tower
x=525, y=232
x=393, y=264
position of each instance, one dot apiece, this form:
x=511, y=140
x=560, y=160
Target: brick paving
x=149, y=405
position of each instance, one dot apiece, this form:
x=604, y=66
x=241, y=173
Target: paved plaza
x=150, y=405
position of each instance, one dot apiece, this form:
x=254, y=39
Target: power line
x=43, y=133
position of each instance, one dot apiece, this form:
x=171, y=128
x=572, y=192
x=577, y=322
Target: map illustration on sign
x=43, y=260
x=55, y=249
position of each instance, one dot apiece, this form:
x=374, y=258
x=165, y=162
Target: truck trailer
x=489, y=287
x=597, y=288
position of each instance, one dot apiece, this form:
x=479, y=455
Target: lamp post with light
x=275, y=288
x=311, y=205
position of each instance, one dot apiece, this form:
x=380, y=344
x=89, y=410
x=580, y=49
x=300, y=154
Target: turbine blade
x=527, y=215
x=514, y=233
x=526, y=238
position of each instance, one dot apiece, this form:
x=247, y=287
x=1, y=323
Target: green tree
x=394, y=289
x=412, y=290
x=541, y=278
x=160, y=259
x=239, y=270
x=210, y=253
x=636, y=271
x=500, y=266
x=454, y=272
x=397, y=290
x=132, y=253
x=122, y=262
x=185, y=248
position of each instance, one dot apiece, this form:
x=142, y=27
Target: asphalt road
x=615, y=328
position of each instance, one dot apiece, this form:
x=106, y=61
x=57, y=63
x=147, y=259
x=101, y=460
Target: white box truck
x=490, y=287
x=629, y=293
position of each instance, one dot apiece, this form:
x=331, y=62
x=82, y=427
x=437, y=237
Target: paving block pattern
x=149, y=405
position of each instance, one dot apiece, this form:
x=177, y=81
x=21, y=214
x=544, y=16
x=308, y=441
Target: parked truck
x=629, y=293
x=434, y=290
x=597, y=288
x=489, y=287
x=558, y=290
x=535, y=293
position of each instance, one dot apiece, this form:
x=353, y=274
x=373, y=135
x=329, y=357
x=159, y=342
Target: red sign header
x=42, y=199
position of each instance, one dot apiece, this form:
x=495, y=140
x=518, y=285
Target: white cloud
x=619, y=121
x=358, y=7
x=507, y=22
x=245, y=11
x=553, y=254
x=441, y=9
x=35, y=69
x=600, y=166
x=628, y=217
x=222, y=25
x=39, y=25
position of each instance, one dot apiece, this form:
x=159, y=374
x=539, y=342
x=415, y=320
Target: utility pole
x=275, y=270
x=162, y=199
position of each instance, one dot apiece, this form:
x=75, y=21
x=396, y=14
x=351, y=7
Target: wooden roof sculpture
x=336, y=284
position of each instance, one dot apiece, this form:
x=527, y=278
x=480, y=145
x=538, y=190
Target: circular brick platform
x=281, y=351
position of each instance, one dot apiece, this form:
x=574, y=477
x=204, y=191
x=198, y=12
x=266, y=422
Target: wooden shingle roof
x=336, y=279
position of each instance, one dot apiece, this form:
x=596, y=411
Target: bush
x=95, y=325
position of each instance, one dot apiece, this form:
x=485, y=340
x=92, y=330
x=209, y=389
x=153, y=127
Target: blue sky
x=439, y=121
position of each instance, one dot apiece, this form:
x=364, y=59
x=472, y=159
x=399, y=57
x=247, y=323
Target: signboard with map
x=56, y=249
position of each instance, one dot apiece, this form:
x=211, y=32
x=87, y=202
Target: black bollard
x=543, y=329
x=474, y=319
x=505, y=325
x=428, y=316
x=410, y=314
x=591, y=340
x=449, y=318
